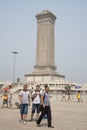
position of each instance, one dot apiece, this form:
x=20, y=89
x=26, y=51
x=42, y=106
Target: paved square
x=66, y=116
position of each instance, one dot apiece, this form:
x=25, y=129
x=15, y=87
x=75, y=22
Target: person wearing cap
x=45, y=98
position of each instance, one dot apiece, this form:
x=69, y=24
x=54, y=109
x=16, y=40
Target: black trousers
x=46, y=110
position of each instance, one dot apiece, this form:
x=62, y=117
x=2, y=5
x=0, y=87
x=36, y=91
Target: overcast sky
x=18, y=32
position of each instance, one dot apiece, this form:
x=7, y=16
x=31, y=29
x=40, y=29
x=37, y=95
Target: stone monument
x=45, y=69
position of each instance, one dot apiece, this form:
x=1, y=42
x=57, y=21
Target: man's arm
x=29, y=100
x=42, y=100
x=20, y=98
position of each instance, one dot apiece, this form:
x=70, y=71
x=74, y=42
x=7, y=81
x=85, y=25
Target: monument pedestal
x=33, y=78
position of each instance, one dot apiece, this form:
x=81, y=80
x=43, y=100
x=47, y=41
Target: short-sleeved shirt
x=10, y=94
x=46, y=98
x=25, y=95
x=5, y=96
x=78, y=96
x=36, y=100
x=64, y=95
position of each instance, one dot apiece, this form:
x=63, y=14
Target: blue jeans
x=35, y=107
x=24, y=108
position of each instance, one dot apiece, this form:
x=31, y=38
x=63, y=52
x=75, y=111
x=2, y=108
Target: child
x=79, y=96
x=5, y=99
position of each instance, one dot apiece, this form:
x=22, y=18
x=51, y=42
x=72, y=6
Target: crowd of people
x=70, y=97
x=40, y=101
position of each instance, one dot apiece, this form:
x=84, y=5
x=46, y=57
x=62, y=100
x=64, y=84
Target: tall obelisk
x=45, y=59
x=45, y=51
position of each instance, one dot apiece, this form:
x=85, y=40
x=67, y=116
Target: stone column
x=45, y=51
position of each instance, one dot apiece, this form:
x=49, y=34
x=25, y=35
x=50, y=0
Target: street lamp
x=14, y=52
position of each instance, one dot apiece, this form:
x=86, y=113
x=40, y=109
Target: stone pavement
x=66, y=116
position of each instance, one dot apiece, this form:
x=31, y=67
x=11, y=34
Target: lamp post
x=14, y=52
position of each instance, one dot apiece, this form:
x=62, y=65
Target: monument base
x=33, y=78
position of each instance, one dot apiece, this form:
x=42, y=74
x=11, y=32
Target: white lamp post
x=14, y=52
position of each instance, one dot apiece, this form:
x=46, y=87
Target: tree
x=68, y=88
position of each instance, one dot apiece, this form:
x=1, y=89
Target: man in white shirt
x=35, y=102
x=24, y=97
